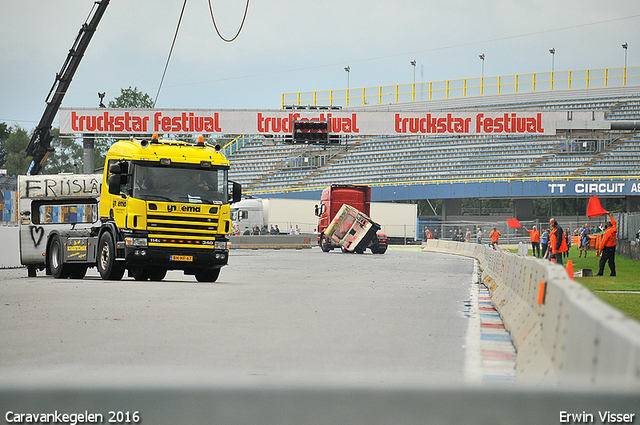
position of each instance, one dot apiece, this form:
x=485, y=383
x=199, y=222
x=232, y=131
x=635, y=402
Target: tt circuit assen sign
x=279, y=122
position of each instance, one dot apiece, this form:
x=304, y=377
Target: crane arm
x=40, y=144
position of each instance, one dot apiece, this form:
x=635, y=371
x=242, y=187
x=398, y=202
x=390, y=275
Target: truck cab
x=332, y=200
x=158, y=206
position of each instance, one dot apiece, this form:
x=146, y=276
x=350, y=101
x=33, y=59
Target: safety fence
x=563, y=333
x=446, y=89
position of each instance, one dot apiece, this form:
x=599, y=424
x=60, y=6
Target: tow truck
x=158, y=206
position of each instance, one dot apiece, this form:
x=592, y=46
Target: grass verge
x=627, y=279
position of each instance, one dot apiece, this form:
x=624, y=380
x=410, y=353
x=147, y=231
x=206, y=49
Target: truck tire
x=324, y=244
x=139, y=273
x=59, y=270
x=146, y=273
x=207, y=275
x=156, y=275
x=378, y=250
x=107, y=266
x=78, y=271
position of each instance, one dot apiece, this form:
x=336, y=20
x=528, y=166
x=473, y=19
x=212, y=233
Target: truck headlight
x=129, y=241
x=220, y=245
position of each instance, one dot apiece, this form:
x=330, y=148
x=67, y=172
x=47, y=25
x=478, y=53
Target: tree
x=16, y=162
x=66, y=156
x=5, y=132
x=131, y=98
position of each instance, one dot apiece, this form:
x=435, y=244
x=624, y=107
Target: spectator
x=557, y=241
x=534, y=237
x=584, y=240
x=297, y=230
x=255, y=230
x=479, y=236
x=569, y=243
x=608, y=247
x=495, y=237
x=544, y=243
x=467, y=236
x=277, y=230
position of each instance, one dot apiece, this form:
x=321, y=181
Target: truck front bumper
x=176, y=258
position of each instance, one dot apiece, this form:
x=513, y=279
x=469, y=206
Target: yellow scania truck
x=158, y=206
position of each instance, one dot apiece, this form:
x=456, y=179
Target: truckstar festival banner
x=279, y=122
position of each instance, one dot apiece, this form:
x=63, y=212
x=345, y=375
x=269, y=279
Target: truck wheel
x=157, y=275
x=378, y=250
x=107, y=266
x=59, y=270
x=207, y=275
x=324, y=244
x=78, y=271
x=139, y=273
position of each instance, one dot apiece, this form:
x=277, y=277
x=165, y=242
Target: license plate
x=181, y=257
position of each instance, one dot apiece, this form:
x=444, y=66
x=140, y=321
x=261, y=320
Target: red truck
x=349, y=227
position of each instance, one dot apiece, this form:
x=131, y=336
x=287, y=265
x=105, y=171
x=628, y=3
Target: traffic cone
x=570, y=269
x=553, y=260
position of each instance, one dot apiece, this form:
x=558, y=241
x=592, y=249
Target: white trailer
x=53, y=206
x=398, y=221
x=285, y=213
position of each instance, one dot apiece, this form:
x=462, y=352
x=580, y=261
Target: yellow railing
x=234, y=145
x=518, y=83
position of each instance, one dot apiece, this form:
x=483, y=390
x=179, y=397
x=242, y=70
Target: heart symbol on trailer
x=36, y=234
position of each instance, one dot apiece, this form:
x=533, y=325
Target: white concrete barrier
x=561, y=331
x=10, y=252
x=273, y=241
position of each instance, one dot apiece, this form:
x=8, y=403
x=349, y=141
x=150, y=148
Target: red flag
x=513, y=222
x=594, y=208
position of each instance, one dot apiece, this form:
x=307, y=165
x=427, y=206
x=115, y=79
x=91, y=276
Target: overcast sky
x=289, y=46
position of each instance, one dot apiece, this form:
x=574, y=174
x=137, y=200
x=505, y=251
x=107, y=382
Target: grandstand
x=268, y=166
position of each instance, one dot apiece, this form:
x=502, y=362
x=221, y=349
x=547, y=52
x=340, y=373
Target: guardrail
x=562, y=332
x=446, y=89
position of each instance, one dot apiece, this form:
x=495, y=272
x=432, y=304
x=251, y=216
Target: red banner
x=279, y=122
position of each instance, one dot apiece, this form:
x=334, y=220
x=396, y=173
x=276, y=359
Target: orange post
x=541, y=292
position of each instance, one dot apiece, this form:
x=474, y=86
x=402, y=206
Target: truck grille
x=184, y=232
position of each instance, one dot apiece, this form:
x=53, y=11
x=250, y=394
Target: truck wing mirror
x=114, y=184
x=236, y=192
x=115, y=168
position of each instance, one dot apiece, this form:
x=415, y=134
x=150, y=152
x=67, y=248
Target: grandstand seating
x=261, y=167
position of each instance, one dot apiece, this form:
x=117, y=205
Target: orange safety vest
x=494, y=235
x=609, y=237
x=553, y=239
x=534, y=235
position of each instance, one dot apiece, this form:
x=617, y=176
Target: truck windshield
x=189, y=185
